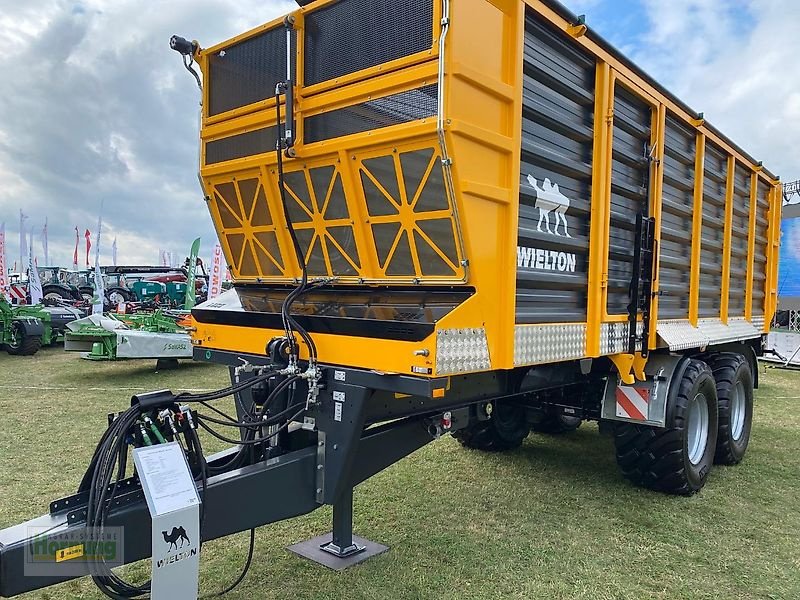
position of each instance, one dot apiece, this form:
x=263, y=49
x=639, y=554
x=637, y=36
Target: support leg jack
x=339, y=549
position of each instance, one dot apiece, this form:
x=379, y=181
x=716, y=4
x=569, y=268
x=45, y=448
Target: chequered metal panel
x=352, y=35
x=534, y=344
x=718, y=332
x=758, y=322
x=462, y=351
x=614, y=337
x=681, y=335
x=381, y=112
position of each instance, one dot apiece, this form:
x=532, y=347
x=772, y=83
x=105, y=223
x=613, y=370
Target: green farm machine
x=25, y=329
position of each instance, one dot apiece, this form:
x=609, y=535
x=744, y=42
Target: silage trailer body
x=518, y=248
x=507, y=226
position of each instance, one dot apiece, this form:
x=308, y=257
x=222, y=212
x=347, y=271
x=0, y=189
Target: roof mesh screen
x=352, y=35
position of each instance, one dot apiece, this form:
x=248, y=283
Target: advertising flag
x=99, y=292
x=88, y=236
x=3, y=271
x=75, y=256
x=191, y=297
x=114, y=252
x=34, y=283
x=215, y=289
x=44, y=244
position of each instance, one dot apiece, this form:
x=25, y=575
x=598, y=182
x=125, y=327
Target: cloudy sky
x=95, y=107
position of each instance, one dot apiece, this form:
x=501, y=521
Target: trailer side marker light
x=438, y=393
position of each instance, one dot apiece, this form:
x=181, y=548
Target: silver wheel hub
x=738, y=411
x=697, y=426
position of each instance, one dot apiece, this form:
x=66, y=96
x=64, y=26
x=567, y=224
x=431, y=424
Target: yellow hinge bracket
x=630, y=367
x=699, y=120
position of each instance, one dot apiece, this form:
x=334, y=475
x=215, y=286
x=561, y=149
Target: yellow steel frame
x=600, y=208
x=482, y=130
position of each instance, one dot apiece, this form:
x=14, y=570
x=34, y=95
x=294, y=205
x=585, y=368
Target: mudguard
x=32, y=326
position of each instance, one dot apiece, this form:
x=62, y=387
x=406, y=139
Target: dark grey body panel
x=740, y=230
x=557, y=138
x=712, y=231
x=760, y=258
x=677, y=208
x=630, y=172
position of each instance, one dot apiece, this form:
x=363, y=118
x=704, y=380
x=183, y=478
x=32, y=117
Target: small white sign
x=339, y=396
x=339, y=375
x=337, y=411
x=165, y=477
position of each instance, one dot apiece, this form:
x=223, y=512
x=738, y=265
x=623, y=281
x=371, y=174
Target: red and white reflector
x=633, y=402
x=18, y=292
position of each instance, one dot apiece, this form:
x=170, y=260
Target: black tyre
x=59, y=293
x=22, y=344
x=86, y=293
x=506, y=429
x=675, y=459
x=116, y=295
x=735, y=398
x=556, y=423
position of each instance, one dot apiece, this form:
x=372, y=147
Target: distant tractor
x=57, y=285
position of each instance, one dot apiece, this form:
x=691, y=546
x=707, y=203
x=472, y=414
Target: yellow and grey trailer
x=471, y=217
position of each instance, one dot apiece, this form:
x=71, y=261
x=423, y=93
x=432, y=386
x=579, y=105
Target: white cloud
x=95, y=106
x=735, y=61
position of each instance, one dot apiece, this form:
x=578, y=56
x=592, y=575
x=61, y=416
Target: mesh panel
x=418, y=192
x=239, y=146
x=401, y=262
x=247, y=72
x=352, y=35
x=383, y=112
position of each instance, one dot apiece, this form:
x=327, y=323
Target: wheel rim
x=16, y=336
x=53, y=296
x=738, y=411
x=116, y=298
x=698, y=428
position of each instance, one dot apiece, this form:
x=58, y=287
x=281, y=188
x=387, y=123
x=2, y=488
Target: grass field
x=551, y=520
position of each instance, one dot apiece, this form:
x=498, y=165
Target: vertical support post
x=726, y=242
x=655, y=212
x=773, y=246
x=697, y=228
x=751, y=245
x=599, y=222
x=342, y=544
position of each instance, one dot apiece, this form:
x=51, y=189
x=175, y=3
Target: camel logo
x=550, y=200
x=177, y=534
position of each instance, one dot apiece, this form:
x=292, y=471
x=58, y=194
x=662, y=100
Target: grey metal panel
x=556, y=177
x=535, y=344
x=614, y=337
x=740, y=234
x=677, y=207
x=760, y=251
x=713, y=230
x=630, y=172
